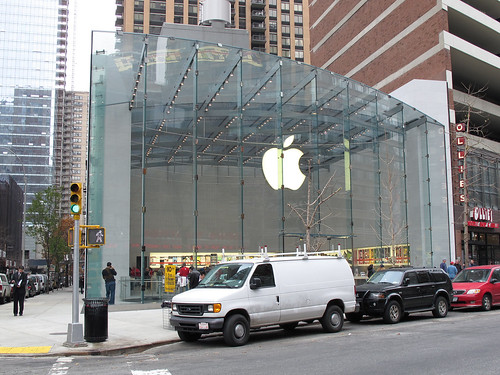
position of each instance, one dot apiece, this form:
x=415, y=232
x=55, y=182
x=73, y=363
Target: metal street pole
x=75, y=329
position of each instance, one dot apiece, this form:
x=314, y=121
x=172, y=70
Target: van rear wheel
x=333, y=319
x=188, y=336
x=289, y=326
x=236, y=330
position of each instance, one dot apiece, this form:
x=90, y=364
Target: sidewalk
x=43, y=328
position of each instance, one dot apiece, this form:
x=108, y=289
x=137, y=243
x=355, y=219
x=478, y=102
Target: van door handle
x=278, y=299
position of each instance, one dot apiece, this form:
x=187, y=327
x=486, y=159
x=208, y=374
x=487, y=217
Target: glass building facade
x=201, y=149
x=32, y=69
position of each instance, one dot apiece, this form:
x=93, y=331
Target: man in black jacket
x=20, y=279
x=108, y=274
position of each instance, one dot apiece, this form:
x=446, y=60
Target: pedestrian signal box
x=96, y=236
x=70, y=237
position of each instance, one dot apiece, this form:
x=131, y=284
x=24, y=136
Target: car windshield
x=472, y=275
x=228, y=275
x=387, y=277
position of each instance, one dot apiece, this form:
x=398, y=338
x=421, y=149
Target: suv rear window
x=423, y=277
x=438, y=276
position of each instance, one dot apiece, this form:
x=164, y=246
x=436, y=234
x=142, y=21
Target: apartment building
x=71, y=143
x=274, y=26
x=441, y=56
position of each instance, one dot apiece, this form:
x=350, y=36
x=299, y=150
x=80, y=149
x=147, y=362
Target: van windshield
x=228, y=275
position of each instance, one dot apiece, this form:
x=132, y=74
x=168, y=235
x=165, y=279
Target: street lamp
x=24, y=201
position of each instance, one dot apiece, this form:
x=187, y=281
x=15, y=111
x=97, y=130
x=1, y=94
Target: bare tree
x=308, y=211
x=392, y=229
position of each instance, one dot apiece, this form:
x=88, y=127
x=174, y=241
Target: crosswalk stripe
x=151, y=372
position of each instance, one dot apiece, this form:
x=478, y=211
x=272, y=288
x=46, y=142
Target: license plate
x=202, y=325
x=455, y=299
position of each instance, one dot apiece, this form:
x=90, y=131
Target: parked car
x=241, y=295
x=477, y=287
x=395, y=292
x=33, y=288
x=5, y=289
x=43, y=283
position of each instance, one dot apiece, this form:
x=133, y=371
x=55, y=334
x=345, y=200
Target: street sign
x=170, y=279
x=96, y=236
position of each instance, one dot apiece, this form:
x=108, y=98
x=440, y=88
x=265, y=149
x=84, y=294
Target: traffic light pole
x=75, y=329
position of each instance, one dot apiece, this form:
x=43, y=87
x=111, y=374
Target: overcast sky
x=90, y=15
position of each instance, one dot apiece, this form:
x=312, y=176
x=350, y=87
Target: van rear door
x=264, y=307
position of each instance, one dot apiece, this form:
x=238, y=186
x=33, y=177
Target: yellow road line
x=25, y=349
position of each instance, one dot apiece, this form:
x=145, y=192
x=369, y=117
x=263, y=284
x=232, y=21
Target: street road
x=465, y=342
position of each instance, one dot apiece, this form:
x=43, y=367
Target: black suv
x=396, y=291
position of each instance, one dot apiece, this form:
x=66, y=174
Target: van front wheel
x=333, y=319
x=236, y=330
x=188, y=336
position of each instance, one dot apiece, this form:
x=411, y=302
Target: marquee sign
x=460, y=129
x=482, y=217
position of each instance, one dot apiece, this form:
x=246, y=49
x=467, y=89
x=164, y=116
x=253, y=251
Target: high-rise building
x=71, y=143
x=441, y=56
x=275, y=26
x=33, y=42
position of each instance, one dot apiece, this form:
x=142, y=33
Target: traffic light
x=76, y=198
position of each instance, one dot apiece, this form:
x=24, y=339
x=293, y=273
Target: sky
x=85, y=16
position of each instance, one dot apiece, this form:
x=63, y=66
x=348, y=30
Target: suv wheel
x=486, y=305
x=392, y=312
x=354, y=317
x=441, y=309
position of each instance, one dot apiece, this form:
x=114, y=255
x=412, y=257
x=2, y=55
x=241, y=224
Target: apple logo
x=291, y=177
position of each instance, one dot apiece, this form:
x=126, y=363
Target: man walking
x=108, y=274
x=443, y=266
x=20, y=279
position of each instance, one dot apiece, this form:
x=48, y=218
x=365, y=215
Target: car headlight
x=474, y=291
x=377, y=295
x=215, y=308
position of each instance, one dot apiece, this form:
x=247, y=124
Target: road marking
x=151, y=372
x=25, y=350
x=61, y=366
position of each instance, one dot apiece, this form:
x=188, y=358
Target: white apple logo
x=291, y=176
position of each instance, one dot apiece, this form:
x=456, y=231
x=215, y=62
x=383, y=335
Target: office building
x=33, y=40
x=274, y=26
x=441, y=56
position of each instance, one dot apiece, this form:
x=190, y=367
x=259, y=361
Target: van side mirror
x=255, y=283
x=494, y=280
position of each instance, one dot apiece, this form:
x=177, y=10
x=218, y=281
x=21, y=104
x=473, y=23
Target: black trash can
x=96, y=319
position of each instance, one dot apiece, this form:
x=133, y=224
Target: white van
x=241, y=295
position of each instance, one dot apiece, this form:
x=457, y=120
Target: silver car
x=5, y=289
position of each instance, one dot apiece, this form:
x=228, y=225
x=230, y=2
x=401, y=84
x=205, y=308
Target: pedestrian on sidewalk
x=108, y=274
x=20, y=279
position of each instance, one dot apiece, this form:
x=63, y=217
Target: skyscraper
x=275, y=26
x=33, y=41
x=442, y=56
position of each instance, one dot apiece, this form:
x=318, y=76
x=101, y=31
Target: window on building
x=285, y=17
x=285, y=6
x=299, y=55
x=285, y=29
x=298, y=19
x=273, y=50
x=285, y=41
x=297, y=7
x=299, y=30
x=285, y=52
x=273, y=13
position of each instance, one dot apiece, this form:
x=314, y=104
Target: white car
x=5, y=289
